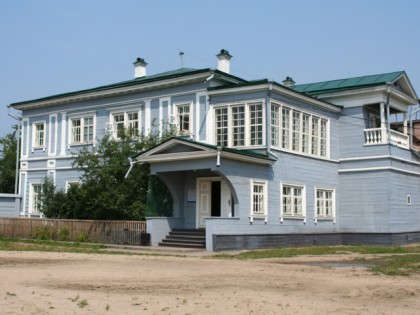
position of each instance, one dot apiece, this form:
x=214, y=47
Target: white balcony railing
x=379, y=136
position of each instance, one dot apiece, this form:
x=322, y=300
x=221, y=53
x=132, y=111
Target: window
x=258, y=198
x=70, y=184
x=39, y=135
x=305, y=133
x=298, y=131
x=324, y=203
x=238, y=121
x=81, y=130
x=125, y=122
x=275, y=125
x=183, y=117
x=239, y=125
x=36, y=197
x=221, y=126
x=293, y=201
x=256, y=124
x=285, y=130
x=315, y=132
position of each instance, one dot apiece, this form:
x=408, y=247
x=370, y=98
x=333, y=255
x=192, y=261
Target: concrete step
x=185, y=238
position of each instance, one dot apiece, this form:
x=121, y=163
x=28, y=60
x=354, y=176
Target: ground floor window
x=293, y=201
x=324, y=202
x=36, y=197
x=258, y=199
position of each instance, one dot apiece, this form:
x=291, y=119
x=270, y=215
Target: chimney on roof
x=139, y=68
x=224, y=61
x=288, y=82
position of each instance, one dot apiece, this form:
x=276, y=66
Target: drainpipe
x=131, y=166
x=218, y=156
x=19, y=119
x=268, y=119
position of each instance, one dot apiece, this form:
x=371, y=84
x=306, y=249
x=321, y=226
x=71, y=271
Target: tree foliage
x=8, y=146
x=104, y=193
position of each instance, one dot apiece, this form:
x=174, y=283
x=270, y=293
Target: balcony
x=375, y=136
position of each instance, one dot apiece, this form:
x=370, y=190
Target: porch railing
x=379, y=136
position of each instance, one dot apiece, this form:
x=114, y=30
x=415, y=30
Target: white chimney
x=224, y=61
x=288, y=82
x=139, y=68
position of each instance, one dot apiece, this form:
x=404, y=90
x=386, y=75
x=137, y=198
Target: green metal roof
x=245, y=152
x=142, y=80
x=347, y=84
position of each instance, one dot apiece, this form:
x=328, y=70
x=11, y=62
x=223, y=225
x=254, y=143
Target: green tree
x=8, y=146
x=105, y=193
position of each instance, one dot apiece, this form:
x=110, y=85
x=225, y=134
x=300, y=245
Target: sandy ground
x=61, y=283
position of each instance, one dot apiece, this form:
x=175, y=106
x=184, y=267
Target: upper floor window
x=239, y=125
x=183, y=118
x=298, y=131
x=125, y=122
x=82, y=130
x=38, y=135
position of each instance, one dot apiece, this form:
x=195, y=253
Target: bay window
x=298, y=131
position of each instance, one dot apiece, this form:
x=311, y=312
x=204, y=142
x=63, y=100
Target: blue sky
x=49, y=47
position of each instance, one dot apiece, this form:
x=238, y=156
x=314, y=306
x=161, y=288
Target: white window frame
x=35, y=135
x=245, y=140
x=82, y=126
x=33, y=209
x=323, y=216
x=301, y=216
x=71, y=183
x=176, y=107
x=296, y=131
x=263, y=214
x=126, y=122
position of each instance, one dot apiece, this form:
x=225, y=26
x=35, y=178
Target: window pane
x=183, y=113
x=275, y=125
x=133, y=123
x=76, y=130
x=221, y=126
x=256, y=124
x=296, y=131
x=119, y=124
x=285, y=128
x=88, y=130
x=238, y=123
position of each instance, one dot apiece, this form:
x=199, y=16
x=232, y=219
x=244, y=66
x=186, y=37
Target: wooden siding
x=107, y=232
x=9, y=205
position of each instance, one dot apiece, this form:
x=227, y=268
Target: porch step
x=185, y=238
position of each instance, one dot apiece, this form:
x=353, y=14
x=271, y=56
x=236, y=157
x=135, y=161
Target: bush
x=44, y=233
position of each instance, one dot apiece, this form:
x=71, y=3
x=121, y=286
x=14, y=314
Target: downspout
x=268, y=120
x=129, y=169
x=19, y=119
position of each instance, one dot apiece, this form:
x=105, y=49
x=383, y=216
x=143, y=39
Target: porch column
x=383, y=122
x=405, y=124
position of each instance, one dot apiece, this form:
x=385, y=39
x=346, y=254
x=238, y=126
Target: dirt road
x=62, y=283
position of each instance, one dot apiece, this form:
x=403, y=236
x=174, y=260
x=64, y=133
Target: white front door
x=205, y=198
x=204, y=201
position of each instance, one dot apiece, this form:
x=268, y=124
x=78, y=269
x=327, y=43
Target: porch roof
x=164, y=152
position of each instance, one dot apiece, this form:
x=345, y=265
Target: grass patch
x=48, y=246
x=405, y=261
x=401, y=265
x=320, y=250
